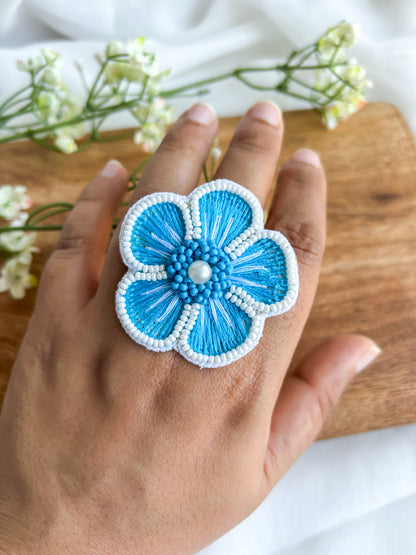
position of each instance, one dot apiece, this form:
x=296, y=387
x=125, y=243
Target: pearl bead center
x=200, y=272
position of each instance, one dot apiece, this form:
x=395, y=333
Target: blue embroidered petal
x=152, y=307
x=261, y=271
x=220, y=327
x=157, y=232
x=224, y=216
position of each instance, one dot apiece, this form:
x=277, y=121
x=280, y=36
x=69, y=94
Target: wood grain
x=368, y=280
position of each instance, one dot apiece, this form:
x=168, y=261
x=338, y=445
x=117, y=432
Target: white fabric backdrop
x=348, y=495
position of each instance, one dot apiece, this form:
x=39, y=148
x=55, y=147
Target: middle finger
x=254, y=150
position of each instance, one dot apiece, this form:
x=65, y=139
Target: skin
x=107, y=447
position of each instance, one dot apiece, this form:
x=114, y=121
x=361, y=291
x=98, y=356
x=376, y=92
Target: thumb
x=309, y=394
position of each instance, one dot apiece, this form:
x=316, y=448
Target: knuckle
x=68, y=244
x=74, y=236
x=240, y=390
x=300, y=174
x=259, y=140
x=305, y=239
x=323, y=400
x=89, y=195
x=180, y=141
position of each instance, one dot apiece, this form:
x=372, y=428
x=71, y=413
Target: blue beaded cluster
x=191, y=251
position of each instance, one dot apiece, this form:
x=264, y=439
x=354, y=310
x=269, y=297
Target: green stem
x=133, y=175
x=347, y=83
x=50, y=214
x=20, y=112
x=41, y=209
x=98, y=77
x=309, y=87
x=13, y=96
x=29, y=228
x=30, y=133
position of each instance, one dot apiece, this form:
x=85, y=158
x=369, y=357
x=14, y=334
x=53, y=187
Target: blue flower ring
x=203, y=273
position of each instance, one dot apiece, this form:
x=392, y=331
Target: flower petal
x=218, y=333
x=149, y=311
x=152, y=229
x=223, y=210
x=264, y=273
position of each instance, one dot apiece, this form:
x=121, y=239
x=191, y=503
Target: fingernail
x=111, y=169
x=367, y=357
x=267, y=111
x=307, y=156
x=202, y=113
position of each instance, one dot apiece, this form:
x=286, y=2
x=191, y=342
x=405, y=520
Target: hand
x=110, y=448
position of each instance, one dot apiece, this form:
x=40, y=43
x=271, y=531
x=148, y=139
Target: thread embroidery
x=203, y=273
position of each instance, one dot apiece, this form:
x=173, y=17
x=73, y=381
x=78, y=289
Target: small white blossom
x=353, y=73
x=13, y=199
x=215, y=154
x=53, y=75
x=50, y=56
x=155, y=115
x=18, y=241
x=135, y=49
x=149, y=136
x=32, y=65
x=117, y=71
x=331, y=45
x=341, y=109
x=49, y=106
x=16, y=277
x=114, y=48
x=64, y=140
x=348, y=33
x=157, y=111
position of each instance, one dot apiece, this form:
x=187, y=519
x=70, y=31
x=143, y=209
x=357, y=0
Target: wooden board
x=368, y=281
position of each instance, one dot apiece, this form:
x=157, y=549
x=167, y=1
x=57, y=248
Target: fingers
x=73, y=271
x=254, y=151
x=308, y=396
x=298, y=210
x=175, y=167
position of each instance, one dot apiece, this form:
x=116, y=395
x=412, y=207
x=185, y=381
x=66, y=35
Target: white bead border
x=258, y=312
x=178, y=339
x=291, y=270
x=215, y=361
x=231, y=187
x=130, y=219
x=130, y=328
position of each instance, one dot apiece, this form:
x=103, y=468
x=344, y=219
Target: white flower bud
x=13, y=200
x=65, y=142
x=216, y=154
x=15, y=276
x=348, y=32
x=49, y=55
x=114, y=48
x=52, y=76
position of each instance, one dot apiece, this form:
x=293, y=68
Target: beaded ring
x=203, y=273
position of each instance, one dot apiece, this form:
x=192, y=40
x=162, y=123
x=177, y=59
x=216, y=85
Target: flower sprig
x=129, y=79
x=17, y=246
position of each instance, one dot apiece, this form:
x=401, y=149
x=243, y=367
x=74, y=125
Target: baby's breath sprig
x=129, y=79
x=319, y=73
